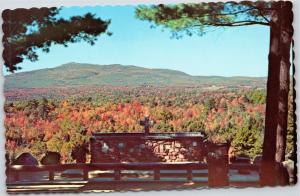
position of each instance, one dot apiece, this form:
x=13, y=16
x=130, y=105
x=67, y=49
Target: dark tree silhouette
x=201, y=18
x=26, y=30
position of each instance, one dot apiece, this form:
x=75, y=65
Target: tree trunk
x=276, y=106
x=284, y=77
x=269, y=145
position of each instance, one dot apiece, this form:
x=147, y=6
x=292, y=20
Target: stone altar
x=152, y=147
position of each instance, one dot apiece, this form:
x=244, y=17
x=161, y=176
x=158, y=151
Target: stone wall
x=147, y=148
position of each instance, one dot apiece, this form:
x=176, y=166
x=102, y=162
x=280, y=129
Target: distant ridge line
x=74, y=74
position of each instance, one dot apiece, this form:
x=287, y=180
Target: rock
x=51, y=158
x=25, y=159
x=156, y=149
x=171, y=150
x=142, y=146
x=181, y=156
x=161, y=148
x=183, y=150
x=177, y=145
x=105, y=148
x=177, y=149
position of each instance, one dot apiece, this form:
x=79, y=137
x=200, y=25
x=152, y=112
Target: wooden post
x=218, y=167
x=189, y=175
x=51, y=175
x=156, y=174
x=85, y=174
x=117, y=174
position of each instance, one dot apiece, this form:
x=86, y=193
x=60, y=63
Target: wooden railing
x=187, y=171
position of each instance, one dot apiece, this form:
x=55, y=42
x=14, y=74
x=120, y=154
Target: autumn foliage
x=65, y=125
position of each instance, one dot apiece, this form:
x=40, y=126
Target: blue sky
x=239, y=51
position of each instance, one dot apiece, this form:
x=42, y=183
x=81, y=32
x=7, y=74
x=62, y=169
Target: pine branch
x=236, y=24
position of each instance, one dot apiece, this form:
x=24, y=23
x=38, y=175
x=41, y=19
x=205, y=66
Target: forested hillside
x=117, y=75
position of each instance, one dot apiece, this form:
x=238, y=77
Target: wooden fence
x=202, y=174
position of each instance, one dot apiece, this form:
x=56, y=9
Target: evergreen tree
x=26, y=30
x=199, y=18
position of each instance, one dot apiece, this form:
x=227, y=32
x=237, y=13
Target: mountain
x=78, y=74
